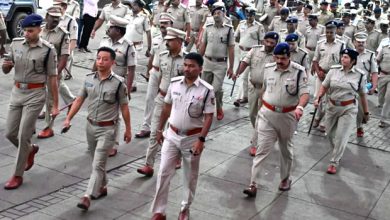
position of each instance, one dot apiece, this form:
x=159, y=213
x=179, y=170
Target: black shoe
x=251, y=191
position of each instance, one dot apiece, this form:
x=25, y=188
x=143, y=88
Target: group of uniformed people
x=191, y=50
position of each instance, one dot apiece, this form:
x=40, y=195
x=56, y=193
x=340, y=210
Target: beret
x=309, y=6
x=32, y=20
x=353, y=54
x=292, y=38
x=324, y=3
x=282, y=49
x=340, y=24
x=377, y=10
x=292, y=20
x=272, y=35
x=284, y=11
x=331, y=24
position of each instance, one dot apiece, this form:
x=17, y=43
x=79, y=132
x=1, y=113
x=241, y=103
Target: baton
x=234, y=84
x=52, y=118
x=312, y=120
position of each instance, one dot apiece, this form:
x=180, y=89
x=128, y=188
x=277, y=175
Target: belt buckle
x=278, y=109
x=181, y=132
x=337, y=103
x=23, y=85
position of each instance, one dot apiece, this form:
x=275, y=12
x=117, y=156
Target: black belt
x=221, y=59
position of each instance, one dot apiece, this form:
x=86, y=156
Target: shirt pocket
x=109, y=97
x=291, y=86
x=37, y=65
x=254, y=35
x=195, y=107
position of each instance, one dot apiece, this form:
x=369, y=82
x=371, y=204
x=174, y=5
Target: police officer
x=333, y=9
x=350, y=28
x=256, y=59
x=366, y=62
x=269, y=11
x=384, y=83
x=169, y=64
x=114, y=8
x=327, y=53
x=313, y=34
x=341, y=36
x=343, y=83
x=292, y=23
x=106, y=94
x=59, y=38
x=182, y=17
x=249, y=33
x=285, y=95
x=384, y=29
x=35, y=62
x=190, y=105
x=138, y=25
x=279, y=22
x=373, y=35
x=297, y=54
x=218, y=48
x=325, y=15
x=198, y=15
x=303, y=20
x=125, y=59
x=159, y=45
x=158, y=8
x=73, y=9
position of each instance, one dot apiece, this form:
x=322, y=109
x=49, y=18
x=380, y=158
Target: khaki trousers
x=151, y=95
x=254, y=101
x=214, y=73
x=243, y=89
x=384, y=96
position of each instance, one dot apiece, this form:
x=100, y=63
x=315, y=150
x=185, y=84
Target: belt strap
x=137, y=43
x=221, y=59
x=102, y=123
x=342, y=103
x=29, y=85
x=279, y=109
x=185, y=132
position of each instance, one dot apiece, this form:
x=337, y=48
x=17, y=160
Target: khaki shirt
x=157, y=10
x=271, y=12
x=280, y=87
x=384, y=58
x=277, y=24
x=257, y=58
x=125, y=54
x=169, y=67
x=350, y=30
x=73, y=9
x=210, y=20
x=250, y=34
x=217, y=40
x=69, y=24
x=367, y=62
x=59, y=38
x=301, y=38
x=347, y=40
x=313, y=35
x=158, y=45
x=104, y=97
x=328, y=54
x=120, y=10
x=324, y=17
x=344, y=86
x=181, y=15
x=382, y=36
x=189, y=104
x=303, y=24
x=373, y=40
x=198, y=16
x=30, y=61
x=138, y=25
x=300, y=56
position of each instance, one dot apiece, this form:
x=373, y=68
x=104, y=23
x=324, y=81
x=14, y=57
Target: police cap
x=282, y=49
x=32, y=20
x=353, y=54
x=292, y=37
x=272, y=35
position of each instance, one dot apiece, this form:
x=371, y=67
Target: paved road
x=53, y=187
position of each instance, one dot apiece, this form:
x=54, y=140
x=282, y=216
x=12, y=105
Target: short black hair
x=122, y=30
x=109, y=50
x=195, y=56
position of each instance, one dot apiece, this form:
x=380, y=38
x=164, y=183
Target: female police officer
x=343, y=83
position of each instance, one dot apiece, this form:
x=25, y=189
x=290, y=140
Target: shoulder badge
x=297, y=66
x=18, y=39
x=46, y=43
x=359, y=70
x=206, y=84
x=268, y=65
x=227, y=25
x=339, y=41
x=177, y=78
x=165, y=52
x=337, y=66
x=321, y=41
x=346, y=37
x=257, y=46
x=303, y=50
x=118, y=77
x=129, y=42
x=277, y=17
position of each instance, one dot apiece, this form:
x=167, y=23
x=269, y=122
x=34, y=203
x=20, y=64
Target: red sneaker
x=146, y=170
x=252, y=151
x=360, y=132
x=332, y=169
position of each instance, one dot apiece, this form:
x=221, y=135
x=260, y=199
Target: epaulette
x=243, y=21
x=270, y=65
x=63, y=30
x=106, y=5
x=359, y=70
x=69, y=16
x=257, y=46
x=277, y=17
x=320, y=26
x=258, y=23
x=183, y=6
x=297, y=66
x=345, y=36
x=118, y=77
x=129, y=42
x=204, y=6
x=206, y=84
x=210, y=24
x=378, y=31
x=227, y=25
x=177, y=78
x=46, y=43
x=370, y=51
x=18, y=39
x=91, y=73
x=227, y=18
x=164, y=53
x=337, y=66
x=303, y=50
x=340, y=41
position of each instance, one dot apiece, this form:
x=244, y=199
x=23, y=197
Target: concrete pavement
x=360, y=190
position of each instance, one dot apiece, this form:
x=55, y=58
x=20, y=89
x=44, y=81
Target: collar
x=196, y=82
x=120, y=41
x=108, y=78
x=181, y=53
x=118, y=6
x=289, y=68
x=39, y=43
x=52, y=30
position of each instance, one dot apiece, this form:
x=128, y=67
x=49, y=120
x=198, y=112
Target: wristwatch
x=202, y=139
x=366, y=113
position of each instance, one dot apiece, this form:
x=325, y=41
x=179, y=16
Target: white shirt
x=91, y=7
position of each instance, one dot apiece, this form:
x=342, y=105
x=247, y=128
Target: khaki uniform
x=120, y=10
x=32, y=65
x=59, y=38
x=324, y=17
x=271, y=12
x=73, y=9
x=277, y=25
x=300, y=56
x=210, y=20
x=217, y=40
x=347, y=40
x=281, y=89
x=157, y=10
x=316, y=7
x=169, y=67
x=384, y=81
x=301, y=38
x=327, y=54
x=138, y=25
x=198, y=17
x=159, y=45
x=382, y=36
x=373, y=40
x=303, y=24
x=339, y=119
x=104, y=100
x=189, y=104
x=313, y=35
x=249, y=35
x=366, y=62
x=181, y=15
